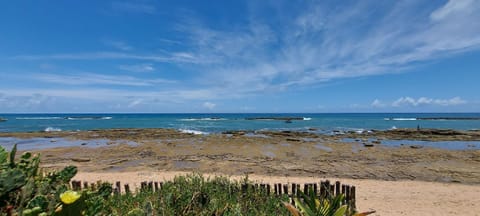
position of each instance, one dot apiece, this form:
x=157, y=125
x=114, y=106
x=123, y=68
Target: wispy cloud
x=135, y=103
x=378, y=104
x=422, y=101
x=121, y=45
x=174, y=57
x=452, y=7
x=105, y=93
x=209, y=105
x=146, y=67
x=322, y=44
x=98, y=79
x=316, y=44
x=134, y=7
x=25, y=102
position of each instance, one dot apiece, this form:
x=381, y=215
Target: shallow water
x=44, y=143
x=185, y=164
x=256, y=135
x=322, y=147
x=449, y=145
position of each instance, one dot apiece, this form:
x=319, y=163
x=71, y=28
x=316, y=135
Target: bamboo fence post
x=337, y=188
x=127, y=188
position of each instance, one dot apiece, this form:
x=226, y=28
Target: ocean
x=218, y=122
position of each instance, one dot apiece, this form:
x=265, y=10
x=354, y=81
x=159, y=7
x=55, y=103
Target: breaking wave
x=203, y=119
x=196, y=132
x=52, y=129
x=89, y=118
x=37, y=118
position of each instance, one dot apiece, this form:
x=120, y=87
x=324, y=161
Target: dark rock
x=368, y=144
x=146, y=153
x=80, y=159
x=293, y=140
x=416, y=146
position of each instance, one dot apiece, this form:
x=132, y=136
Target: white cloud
x=25, y=102
x=315, y=44
x=323, y=44
x=98, y=79
x=452, y=7
x=209, y=105
x=119, y=45
x=408, y=101
x=96, y=93
x=138, y=67
x=172, y=58
x=135, y=103
x=378, y=104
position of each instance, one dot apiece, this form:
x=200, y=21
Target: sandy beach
x=385, y=197
x=410, y=179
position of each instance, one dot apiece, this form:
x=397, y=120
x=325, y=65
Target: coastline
x=280, y=153
x=402, y=180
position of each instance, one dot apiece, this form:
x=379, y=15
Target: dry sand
x=385, y=197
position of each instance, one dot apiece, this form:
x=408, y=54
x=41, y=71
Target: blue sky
x=240, y=56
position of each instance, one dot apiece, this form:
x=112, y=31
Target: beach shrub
x=26, y=191
x=311, y=205
x=196, y=195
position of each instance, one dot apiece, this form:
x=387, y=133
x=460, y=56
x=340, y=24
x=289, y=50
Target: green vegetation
x=311, y=205
x=24, y=191
x=195, y=195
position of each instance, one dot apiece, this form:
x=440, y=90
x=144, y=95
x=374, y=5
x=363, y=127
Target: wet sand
x=392, y=179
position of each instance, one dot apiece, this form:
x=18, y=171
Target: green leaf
x=11, y=180
x=341, y=211
x=12, y=156
x=3, y=156
x=67, y=173
x=303, y=208
x=26, y=155
x=38, y=201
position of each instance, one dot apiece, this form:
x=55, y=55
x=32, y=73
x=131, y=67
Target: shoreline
x=402, y=180
x=424, y=134
x=280, y=153
x=394, y=198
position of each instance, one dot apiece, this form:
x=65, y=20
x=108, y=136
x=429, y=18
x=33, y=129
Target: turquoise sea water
x=215, y=123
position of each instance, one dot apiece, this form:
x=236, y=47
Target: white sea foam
x=37, y=118
x=400, y=119
x=89, y=118
x=307, y=119
x=52, y=129
x=193, y=132
x=359, y=131
x=203, y=119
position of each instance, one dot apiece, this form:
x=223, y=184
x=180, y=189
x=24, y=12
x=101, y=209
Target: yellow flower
x=69, y=197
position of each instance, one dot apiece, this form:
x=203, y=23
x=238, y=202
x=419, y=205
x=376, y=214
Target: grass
x=195, y=195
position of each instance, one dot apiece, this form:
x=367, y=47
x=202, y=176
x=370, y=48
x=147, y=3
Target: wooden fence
x=321, y=190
